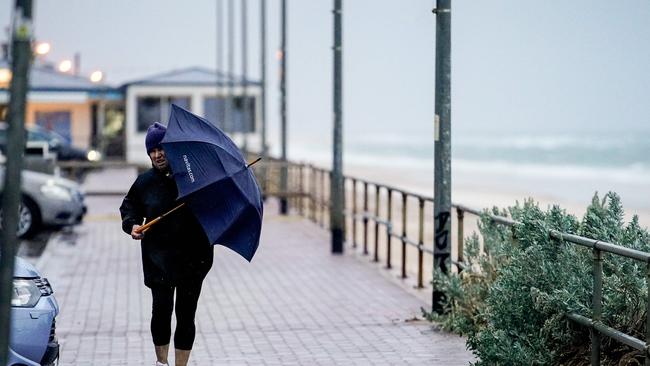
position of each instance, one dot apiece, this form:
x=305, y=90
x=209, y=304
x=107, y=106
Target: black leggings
x=187, y=297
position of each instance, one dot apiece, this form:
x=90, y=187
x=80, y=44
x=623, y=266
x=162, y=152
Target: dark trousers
x=187, y=297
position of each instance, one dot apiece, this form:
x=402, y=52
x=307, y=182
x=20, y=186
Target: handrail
x=604, y=246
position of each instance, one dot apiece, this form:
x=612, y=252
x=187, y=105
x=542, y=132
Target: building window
x=214, y=110
x=57, y=121
x=156, y=109
x=230, y=120
x=244, y=115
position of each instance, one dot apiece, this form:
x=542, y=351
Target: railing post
x=365, y=218
x=322, y=197
x=290, y=184
x=376, y=258
x=647, y=317
x=312, y=192
x=404, y=221
x=300, y=190
x=421, y=244
x=596, y=305
x=389, y=217
x=460, y=214
x=354, y=213
x=317, y=194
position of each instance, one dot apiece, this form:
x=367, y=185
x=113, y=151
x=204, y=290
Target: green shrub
x=516, y=286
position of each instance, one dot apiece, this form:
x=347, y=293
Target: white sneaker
x=161, y=364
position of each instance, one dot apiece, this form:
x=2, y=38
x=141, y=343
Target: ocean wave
x=586, y=141
x=636, y=173
x=505, y=141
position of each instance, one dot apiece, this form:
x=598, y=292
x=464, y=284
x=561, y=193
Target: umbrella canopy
x=213, y=179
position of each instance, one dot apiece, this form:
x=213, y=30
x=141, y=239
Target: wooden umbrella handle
x=254, y=161
x=146, y=226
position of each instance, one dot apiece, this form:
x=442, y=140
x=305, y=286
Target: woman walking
x=176, y=254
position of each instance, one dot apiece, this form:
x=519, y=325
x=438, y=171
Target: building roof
x=192, y=76
x=45, y=78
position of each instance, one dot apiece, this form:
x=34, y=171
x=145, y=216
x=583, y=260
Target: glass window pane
x=57, y=121
x=148, y=112
x=180, y=101
x=214, y=109
x=250, y=115
x=244, y=114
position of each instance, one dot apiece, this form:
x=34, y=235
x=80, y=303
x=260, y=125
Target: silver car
x=47, y=200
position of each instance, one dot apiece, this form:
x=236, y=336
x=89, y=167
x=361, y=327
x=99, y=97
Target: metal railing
x=372, y=214
x=595, y=323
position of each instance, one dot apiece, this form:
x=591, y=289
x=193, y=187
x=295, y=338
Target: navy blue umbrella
x=214, y=180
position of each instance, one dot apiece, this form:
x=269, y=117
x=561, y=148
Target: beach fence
x=390, y=225
x=395, y=227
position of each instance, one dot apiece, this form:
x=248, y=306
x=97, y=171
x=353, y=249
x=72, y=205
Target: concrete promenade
x=295, y=304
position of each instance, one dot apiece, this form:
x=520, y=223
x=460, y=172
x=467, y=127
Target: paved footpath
x=295, y=304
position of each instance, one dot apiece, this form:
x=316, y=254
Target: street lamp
x=96, y=76
x=5, y=77
x=42, y=48
x=65, y=66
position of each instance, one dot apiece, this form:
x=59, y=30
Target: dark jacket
x=175, y=249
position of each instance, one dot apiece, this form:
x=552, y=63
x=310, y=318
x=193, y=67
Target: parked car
x=57, y=144
x=33, y=313
x=47, y=200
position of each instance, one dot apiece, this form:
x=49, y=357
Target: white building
x=199, y=90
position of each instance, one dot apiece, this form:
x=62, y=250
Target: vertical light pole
x=283, y=106
x=263, y=86
x=229, y=120
x=21, y=56
x=442, y=137
x=337, y=186
x=219, y=113
x=244, y=73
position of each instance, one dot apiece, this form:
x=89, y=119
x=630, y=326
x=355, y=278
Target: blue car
x=33, y=313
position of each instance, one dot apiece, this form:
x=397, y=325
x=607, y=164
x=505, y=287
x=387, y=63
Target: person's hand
x=136, y=235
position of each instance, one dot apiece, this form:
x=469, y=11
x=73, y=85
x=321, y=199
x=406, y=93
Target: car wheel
x=29, y=218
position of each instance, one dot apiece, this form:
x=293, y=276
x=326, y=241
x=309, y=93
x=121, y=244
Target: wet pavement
x=295, y=304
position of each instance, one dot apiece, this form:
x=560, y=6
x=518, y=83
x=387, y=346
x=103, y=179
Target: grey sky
x=524, y=65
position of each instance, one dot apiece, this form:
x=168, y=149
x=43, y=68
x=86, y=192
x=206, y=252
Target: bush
x=515, y=289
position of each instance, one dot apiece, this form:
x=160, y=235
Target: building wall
x=135, y=150
x=80, y=118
